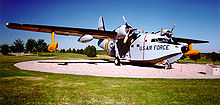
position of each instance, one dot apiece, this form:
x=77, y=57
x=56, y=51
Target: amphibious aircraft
x=125, y=42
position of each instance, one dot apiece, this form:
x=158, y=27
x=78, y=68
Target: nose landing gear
x=117, y=61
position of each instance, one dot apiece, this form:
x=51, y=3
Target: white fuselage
x=149, y=48
x=154, y=48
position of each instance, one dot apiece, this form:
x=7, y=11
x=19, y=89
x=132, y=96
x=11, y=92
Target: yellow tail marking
x=106, y=46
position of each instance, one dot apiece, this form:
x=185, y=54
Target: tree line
x=18, y=46
x=90, y=51
x=40, y=45
x=213, y=56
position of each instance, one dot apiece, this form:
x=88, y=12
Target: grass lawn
x=30, y=87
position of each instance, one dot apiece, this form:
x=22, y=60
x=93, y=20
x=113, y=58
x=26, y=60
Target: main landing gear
x=167, y=65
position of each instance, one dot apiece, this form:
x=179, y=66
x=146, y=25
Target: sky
x=194, y=19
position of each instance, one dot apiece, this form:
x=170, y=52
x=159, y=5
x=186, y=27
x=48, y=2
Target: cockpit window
x=153, y=40
x=159, y=40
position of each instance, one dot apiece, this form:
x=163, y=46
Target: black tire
x=167, y=65
x=117, y=61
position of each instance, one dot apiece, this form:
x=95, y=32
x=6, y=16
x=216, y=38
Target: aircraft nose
x=184, y=49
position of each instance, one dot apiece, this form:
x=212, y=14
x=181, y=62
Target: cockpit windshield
x=159, y=40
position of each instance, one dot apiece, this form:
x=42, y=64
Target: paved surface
x=108, y=69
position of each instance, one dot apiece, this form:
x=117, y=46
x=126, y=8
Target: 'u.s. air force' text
x=154, y=47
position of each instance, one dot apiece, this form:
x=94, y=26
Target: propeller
x=129, y=29
x=170, y=33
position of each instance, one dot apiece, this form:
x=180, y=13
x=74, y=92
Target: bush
x=4, y=49
x=90, y=51
x=195, y=57
x=214, y=56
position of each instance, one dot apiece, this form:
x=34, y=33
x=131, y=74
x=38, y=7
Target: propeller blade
x=124, y=19
x=138, y=30
x=161, y=31
x=126, y=38
x=173, y=27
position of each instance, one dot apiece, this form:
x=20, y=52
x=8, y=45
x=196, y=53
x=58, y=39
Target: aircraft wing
x=184, y=40
x=99, y=34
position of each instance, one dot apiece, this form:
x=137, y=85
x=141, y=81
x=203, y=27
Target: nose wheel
x=117, y=61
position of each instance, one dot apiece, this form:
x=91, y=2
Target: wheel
x=117, y=61
x=167, y=65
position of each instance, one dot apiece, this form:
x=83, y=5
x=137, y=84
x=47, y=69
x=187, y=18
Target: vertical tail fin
x=101, y=25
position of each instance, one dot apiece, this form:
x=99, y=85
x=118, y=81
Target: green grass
x=102, y=52
x=29, y=87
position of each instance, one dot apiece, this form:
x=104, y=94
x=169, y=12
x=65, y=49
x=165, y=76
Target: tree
x=4, y=49
x=41, y=45
x=74, y=50
x=81, y=51
x=90, y=51
x=213, y=56
x=12, y=48
x=69, y=50
x=19, y=45
x=62, y=50
x=30, y=45
x=195, y=57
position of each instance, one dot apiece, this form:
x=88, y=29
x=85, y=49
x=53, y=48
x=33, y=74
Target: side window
x=153, y=40
x=160, y=39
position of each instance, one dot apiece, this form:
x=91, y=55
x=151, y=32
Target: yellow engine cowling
x=191, y=51
x=53, y=46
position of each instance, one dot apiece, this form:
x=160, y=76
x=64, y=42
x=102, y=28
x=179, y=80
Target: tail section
x=101, y=25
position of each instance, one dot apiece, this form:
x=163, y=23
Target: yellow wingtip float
x=191, y=51
x=54, y=45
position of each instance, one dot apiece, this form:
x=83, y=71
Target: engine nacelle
x=121, y=32
x=53, y=46
x=85, y=38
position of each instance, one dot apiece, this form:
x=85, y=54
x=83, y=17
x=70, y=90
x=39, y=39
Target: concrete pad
x=108, y=69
